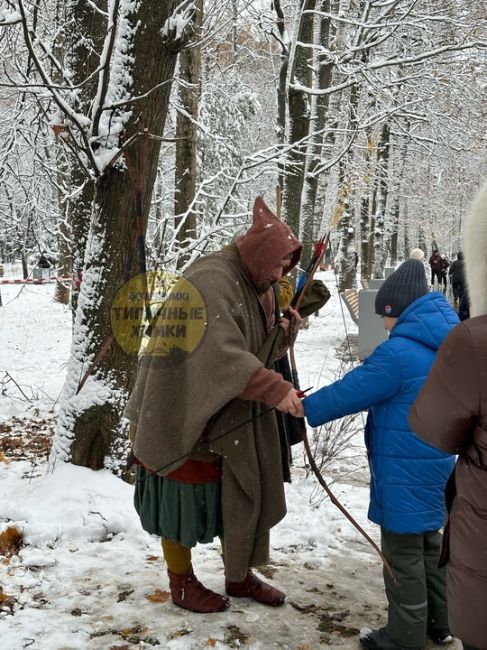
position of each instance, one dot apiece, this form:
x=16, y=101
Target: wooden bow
x=320, y=249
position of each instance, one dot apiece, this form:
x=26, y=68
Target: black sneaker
x=378, y=640
x=441, y=637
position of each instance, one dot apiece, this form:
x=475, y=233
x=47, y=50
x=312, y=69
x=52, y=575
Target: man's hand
x=291, y=404
x=290, y=323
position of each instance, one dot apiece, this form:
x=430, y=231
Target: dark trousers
x=437, y=275
x=469, y=647
x=417, y=604
x=457, y=288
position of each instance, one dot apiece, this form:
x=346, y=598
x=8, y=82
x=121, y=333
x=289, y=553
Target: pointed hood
x=266, y=242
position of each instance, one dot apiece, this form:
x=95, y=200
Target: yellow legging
x=178, y=558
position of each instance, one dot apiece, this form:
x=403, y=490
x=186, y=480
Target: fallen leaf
x=211, y=642
x=4, y=459
x=58, y=128
x=152, y=558
x=10, y=541
x=158, y=596
x=6, y=600
x=131, y=631
x=182, y=632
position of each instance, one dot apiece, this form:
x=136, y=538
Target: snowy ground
x=88, y=577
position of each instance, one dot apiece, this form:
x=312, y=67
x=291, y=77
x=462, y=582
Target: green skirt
x=186, y=513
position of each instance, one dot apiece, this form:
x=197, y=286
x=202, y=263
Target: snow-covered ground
x=89, y=577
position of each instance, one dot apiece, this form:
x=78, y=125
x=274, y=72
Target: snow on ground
x=89, y=577
x=35, y=337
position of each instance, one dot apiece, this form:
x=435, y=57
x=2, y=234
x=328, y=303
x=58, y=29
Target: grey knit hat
x=404, y=286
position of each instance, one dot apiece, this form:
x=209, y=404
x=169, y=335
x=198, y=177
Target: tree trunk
x=186, y=135
x=89, y=431
x=407, y=238
x=365, y=212
x=281, y=87
x=62, y=290
x=85, y=31
x=395, y=232
x=319, y=111
x=383, y=157
x=347, y=273
x=25, y=268
x=299, y=116
x=364, y=235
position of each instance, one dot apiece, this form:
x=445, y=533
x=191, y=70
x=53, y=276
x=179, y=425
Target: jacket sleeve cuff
x=267, y=386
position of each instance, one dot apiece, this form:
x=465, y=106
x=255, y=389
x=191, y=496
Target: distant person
x=407, y=477
x=43, y=262
x=451, y=414
x=457, y=277
x=436, y=266
x=444, y=269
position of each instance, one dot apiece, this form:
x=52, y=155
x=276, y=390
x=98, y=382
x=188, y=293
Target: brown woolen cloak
x=180, y=394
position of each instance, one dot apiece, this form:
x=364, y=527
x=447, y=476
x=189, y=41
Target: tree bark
x=186, y=136
x=85, y=30
x=299, y=116
x=62, y=290
x=319, y=112
x=281, y=87
x=383, y=157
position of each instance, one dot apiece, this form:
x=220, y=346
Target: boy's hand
x=291, y=404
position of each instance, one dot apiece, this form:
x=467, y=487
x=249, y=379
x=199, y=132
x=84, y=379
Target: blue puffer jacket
x=407, y=476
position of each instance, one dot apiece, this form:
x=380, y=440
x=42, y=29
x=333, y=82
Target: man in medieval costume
x=206, y=441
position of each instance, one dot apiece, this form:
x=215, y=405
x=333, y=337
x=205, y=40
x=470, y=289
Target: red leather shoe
x=254, y=587
x=188, y=592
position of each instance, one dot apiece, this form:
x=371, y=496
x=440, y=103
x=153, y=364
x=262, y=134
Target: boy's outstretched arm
x=376, y=380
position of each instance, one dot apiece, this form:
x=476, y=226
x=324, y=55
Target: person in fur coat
x=451, y=414
x=408, y=477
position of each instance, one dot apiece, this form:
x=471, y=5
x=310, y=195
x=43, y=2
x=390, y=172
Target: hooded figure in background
x=408, y=477
x=451, y=414
x=209, y=395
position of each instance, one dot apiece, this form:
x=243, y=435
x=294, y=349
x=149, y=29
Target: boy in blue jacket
x=408, y=477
